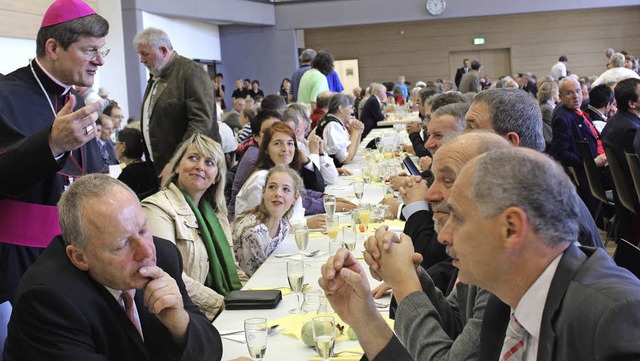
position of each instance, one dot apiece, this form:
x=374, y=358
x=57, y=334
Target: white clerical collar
x=66, y=87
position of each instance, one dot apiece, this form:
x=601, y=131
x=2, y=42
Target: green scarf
x=223, y=276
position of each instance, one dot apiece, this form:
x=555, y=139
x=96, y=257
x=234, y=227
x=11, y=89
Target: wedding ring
x=89, y=129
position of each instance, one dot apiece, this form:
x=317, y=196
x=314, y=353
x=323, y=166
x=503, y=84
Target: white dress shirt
x=530, y=308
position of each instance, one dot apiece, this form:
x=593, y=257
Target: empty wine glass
x=255, y=333
x=295, y=276
x=349, y=236
x=324, y=334
x=358, y=189
x=330, y=205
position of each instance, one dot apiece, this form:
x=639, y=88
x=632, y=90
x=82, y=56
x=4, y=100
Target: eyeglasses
x=93, y=54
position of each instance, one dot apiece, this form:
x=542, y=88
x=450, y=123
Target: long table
x=273, y=274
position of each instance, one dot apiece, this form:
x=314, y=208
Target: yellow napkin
x=284, y=290
x=347, y=356
x=292, y=325
x=355, y=179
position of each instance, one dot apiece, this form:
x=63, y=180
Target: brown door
x=495, y=62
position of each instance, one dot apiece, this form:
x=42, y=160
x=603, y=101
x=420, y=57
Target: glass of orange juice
x=333, y=227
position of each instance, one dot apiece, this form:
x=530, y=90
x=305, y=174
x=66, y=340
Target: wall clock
x=436, y=7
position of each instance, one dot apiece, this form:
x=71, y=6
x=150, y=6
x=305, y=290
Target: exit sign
x=478, y=41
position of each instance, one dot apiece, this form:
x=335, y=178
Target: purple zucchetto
x=62, y=11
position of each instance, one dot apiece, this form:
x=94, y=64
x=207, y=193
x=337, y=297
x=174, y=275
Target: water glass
x=311, y=301
x=324, y=334
x=255, y=333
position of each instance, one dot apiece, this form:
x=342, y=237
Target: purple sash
x=28, y=224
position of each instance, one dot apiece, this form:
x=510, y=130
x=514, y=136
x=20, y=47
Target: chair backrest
x=620, y=181
x=591, y=170
x=628, y=256
x=634, y=167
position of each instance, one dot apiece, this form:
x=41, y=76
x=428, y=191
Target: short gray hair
x=153, y=37
x=533, y=182
x=307, y=55
x=337, y=100
x=70, y=206
x=377, y=88
x=296, y=112
x=617, y=60
x=514, y=110
x=456, y=110
x=447, y=98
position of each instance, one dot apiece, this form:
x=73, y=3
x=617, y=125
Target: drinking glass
x=378, y=142
x=358, y=189
x=295, y=276
x=388, y=192
x=382, y=173
x=333, y=227
x=388, y=152
x=364, y=215
x=330, y=205
x=255, y=333
x=368, y=154
x=366, y=175
x=311, y=300
x=324, y=334
x=334, y=246
x=349, y=236
x=302, y=238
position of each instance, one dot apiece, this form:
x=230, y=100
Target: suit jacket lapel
x=570, y=263
x=123, y=320
x=494, y=326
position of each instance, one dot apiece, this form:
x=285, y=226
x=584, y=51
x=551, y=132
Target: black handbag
x=252, y=299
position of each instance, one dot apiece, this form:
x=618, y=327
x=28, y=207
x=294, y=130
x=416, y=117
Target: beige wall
x=21, y=19
x=420, y=50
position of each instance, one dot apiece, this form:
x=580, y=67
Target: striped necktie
x=513, y=347
x=129, y=308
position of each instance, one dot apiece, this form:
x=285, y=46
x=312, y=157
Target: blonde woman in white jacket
x=190, y=211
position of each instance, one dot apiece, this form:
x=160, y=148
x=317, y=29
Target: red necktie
x=593, y=129
x=129, y=308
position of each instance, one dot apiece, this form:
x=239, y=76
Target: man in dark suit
x=619, y=135
x=601, y=105
x=107, y=149
x=571, y=303
x=569, y=125
x=76, y=302
x=515, y=115
x=372, y=110
x=466, y=63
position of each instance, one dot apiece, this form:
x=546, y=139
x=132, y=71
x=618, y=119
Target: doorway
x=495, y=62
